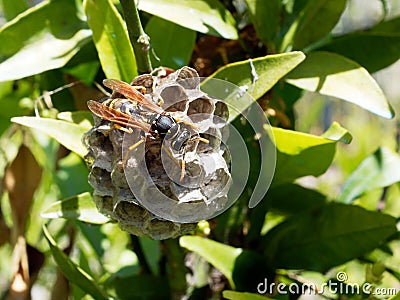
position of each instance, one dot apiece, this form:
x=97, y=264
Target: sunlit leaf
x=378, y=170
x=311, y=240
x=73, y=273
x=265, y=17
x=255, y=76
x=111, y=39
x=315, y=21
x=172, y=45
x=221, y=256
x=66, y=133
x=337, y=133
x=301, y=154
x=83, y=118
x=206, y=16
x=80, y=207
x=334, y=75
x=53, y=29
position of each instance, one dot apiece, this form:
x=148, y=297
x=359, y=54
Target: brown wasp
x=138, y=112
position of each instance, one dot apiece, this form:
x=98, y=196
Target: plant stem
x=176, y=269
x=137, y=248
x=139, y=39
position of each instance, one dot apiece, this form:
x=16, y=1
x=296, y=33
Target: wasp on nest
x=156, y=154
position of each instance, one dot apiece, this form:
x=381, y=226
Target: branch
x=139, y=39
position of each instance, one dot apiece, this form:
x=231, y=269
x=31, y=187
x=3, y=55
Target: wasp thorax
x=161, y=181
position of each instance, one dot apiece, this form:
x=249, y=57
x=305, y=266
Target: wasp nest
x=161, y=186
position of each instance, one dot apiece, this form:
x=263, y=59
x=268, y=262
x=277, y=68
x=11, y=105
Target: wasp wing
x=115, y=116
x=131, y=93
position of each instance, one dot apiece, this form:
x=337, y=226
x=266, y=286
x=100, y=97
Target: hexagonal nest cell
x=161, y=186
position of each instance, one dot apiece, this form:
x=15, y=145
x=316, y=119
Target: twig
x=139, y=39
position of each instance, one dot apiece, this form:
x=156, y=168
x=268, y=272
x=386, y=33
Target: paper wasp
x=137, y=112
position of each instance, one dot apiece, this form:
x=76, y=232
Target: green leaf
x=313, y=23
x=292, y=198
x=265, y=17
x=396, y=297
x=233, y=295
x=171, y=43
x=234, y=263
x=72, y=272
x=71, y=176
x=80, y=207
x=282, y=200
x=83, y=118
x=85, y=72
x=256, y=76
x=12, y=8
x=67, y=134
x=337, y=133
x=376, y=171
x=326, y=237
x=357, y=45
x=334, y=75
x=52, y=28
x=111, y=40
x=301, y=154
x=221, y=256
x=141, y=286
x=206, y=16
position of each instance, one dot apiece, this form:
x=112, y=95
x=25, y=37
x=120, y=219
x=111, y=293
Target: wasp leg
x=200, y=139
x=160, y=100
x=131, y=148
x=141, y=88
x=119, y=127
x=182, y=120
x=182, y=165
x=183, y=168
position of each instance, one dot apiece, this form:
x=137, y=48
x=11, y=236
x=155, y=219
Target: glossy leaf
x=314, y=22
x=221, y=256
x=206, y=16
x=376, y=171
x=54, y=29
x=67, y=134
x=255, y=76
x=357, y=45
x=334, y=75
x=326, y=237
x=265, y=17
x=301, y=154
x=80, y=207
x=111, y=40
x=233, y=295
x=172, y=45
x=72, y=272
